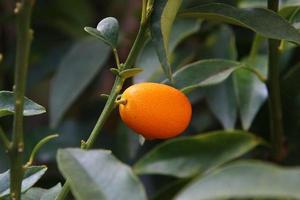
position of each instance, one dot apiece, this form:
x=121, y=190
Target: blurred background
x=69, y=70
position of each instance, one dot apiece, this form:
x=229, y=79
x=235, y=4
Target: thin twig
x=24, y=36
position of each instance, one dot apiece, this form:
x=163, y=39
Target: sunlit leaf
x=42, y=194
x=251, y=93
x=204, y=73
x=245, y=179
x=96, y=174
x=162, y=19
x=31, y=176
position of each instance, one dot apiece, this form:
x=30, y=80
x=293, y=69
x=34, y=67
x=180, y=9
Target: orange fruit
x=154, y=110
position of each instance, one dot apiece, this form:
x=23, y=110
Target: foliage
x=235, y=60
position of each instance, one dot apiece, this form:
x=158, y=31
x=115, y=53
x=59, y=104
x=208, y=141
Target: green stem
x=38, y=147
x=277, y=135
x=108, y=108
x=24, y=38
x=116, y=57
x=260, y=76
x=4, y=139
x=110, y=104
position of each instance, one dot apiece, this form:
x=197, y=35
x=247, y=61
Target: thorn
x=18, y=7
x=83, y=144
x=105, y=96
x=20, y=148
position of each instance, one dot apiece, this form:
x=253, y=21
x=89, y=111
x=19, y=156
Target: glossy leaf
x=107, y=30
x=204, y=73
x=76, y=70
x=259, y=20
x=221, y=98
x=182, y=28
x=245, y=179
x=42, y=194
x=186, y=157
x=222, y=102
x=7, y=105
x=31, y=176
x=96, y=174
x=251, y=93
x=162, y=19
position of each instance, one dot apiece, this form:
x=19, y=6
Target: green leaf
x=162, y=19
x=127, y=73
x=259, y=20
x=96, y=174
x=221, y=98
x=7, y=105
x=222, y=102
x=245, y=179
x=42, y=194
x=31, y=176
x=204, y=73
x=107, y=30
x=77, y=69
x=168, y=192
x=251, y=93
x=186, y=157
x=147, y=59
x=181, y=29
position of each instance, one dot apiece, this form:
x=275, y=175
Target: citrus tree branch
x=116, y=89
x=275, y=108
x=24, y=36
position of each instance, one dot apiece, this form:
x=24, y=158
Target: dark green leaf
x=7, y=105
x=96, y=174
x=42, y=194
x=31, y=176
x=251, y=93
x=77, y=69
x=168, y=192
x=107, y=30
x=148, y=59
x=186, y=157
x=181, y=29
x=259, y=20
x=204, y=73
x=245, y=179
x=162, y=18
x=221, y=98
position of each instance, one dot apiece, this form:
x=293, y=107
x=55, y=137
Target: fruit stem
x=276, y=123
x=118, y=84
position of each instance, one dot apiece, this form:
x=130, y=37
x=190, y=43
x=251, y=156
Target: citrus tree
x=184, y=52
